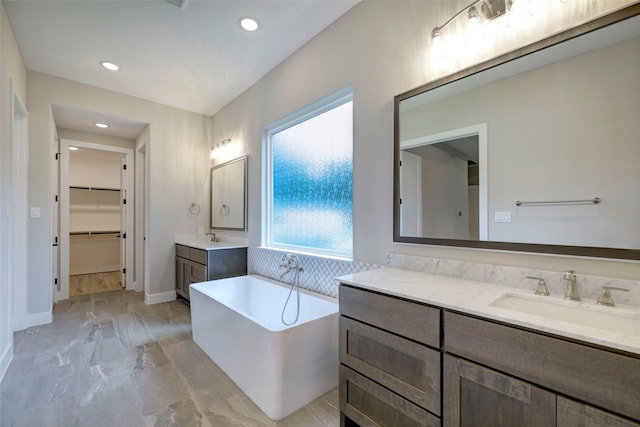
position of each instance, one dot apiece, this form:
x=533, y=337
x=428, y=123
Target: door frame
x=18, y=231
x=63, y=293
x=142, y=215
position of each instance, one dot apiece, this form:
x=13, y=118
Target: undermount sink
x=620, y=320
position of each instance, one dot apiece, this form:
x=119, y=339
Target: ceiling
x=194, y=57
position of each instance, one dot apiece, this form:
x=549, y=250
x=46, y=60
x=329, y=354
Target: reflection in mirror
x=443, y=185
x=229, y=195
x=560, y=127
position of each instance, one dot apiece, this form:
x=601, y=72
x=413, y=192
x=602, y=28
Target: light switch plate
x=504, y=216
x=35, y=212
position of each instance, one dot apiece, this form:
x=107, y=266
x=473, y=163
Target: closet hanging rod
x=75, y=187
x=593, y=201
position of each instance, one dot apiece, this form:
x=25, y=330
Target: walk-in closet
x=96, y=203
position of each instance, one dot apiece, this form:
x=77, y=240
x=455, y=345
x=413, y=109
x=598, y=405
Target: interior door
x=411, y=188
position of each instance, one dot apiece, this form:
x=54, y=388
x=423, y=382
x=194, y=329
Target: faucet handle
x=542, y=286
x=605, y=295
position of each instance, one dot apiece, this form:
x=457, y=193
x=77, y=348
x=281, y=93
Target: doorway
x=96, y=222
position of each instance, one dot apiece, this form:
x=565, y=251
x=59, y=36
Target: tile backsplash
x=319, y=273
x=589, y=286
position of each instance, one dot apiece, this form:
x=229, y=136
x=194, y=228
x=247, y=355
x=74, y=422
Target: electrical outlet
x=504, y=216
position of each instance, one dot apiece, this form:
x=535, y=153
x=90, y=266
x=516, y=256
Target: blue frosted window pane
x=312, y=182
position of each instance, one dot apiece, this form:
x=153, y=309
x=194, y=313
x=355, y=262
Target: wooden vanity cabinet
x=404, y=363
x=197, y=265
x=390, y=364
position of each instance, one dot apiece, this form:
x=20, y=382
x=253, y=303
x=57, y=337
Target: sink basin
x=620, y=320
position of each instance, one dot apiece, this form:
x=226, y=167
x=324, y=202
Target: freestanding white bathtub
x=237, y=322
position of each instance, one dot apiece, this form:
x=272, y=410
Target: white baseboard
x=41, y=318
x=159, y=298
x=5, y=359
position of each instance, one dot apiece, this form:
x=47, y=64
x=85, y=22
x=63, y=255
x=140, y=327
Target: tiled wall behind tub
x=588, y=286
x=319, y=273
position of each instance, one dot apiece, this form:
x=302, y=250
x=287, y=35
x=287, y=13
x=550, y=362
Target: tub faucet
x=290, y=263
x=572, y=286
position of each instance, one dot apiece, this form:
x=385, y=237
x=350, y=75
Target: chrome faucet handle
x=542, y=286
x=605, y=295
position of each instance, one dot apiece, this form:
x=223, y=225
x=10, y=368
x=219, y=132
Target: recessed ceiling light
x=73, y=148
x=249, y=24
x=102, y=125
x=110, y=66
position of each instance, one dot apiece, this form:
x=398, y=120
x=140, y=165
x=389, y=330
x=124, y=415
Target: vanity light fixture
x=480, y=11
x=101, y=125
x=219, y=147
x=249, y=24
x=73, y=148
x=110, y=66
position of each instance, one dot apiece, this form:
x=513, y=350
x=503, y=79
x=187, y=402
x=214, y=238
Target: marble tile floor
x=110, y=360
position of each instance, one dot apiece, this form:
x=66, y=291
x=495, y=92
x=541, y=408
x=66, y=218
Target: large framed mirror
x=229, y=195
x=534, y=151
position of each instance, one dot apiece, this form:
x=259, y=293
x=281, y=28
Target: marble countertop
x=204, y=242
x=472, y=297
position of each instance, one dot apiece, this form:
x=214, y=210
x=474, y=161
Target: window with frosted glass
x=311, y=182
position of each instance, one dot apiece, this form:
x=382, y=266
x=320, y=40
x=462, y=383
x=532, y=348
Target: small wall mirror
x=229, y=195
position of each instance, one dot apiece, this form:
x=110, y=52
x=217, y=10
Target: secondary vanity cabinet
x=390, y=364
x=197, y=265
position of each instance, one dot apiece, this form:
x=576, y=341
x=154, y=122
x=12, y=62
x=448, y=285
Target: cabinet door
x=197, y=272
x=577, y=414
x=180, y=275
x=475, y=396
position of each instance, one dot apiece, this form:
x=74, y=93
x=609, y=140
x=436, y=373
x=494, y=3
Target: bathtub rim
x=326, y=298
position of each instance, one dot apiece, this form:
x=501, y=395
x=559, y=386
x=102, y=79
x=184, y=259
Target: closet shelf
x=75, y=187
x=91, y=233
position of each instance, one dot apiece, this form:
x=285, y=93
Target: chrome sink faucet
x=214, y=238
x=572, y=286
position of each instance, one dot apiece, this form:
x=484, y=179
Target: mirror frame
x=245, y=160
x=585, y=251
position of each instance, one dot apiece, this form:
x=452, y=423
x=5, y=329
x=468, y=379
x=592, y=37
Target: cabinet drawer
x=182, y=251
x=198, y=255
x=409, y=369
x=198, y=272
x=370, y=404
x=415, y=321
x=599, y=377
